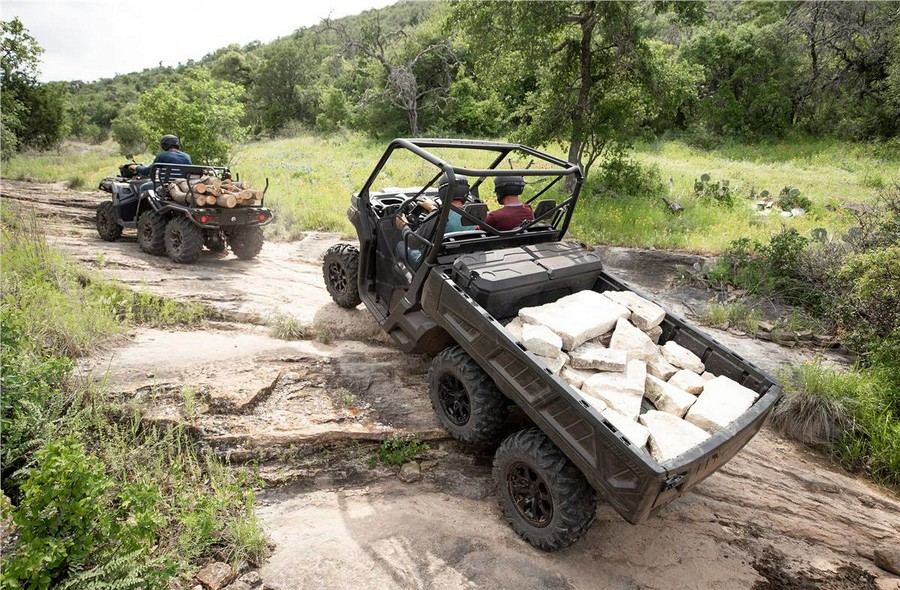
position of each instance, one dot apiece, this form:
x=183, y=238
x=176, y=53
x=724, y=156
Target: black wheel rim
x=530, y=494
x=103, y=219
x=337, y=276
x=147, y=232
x=177, y=241
x=454, y=400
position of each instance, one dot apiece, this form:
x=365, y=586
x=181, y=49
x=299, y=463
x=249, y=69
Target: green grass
x=312, y=177
x=133, y=505
x=736, y=314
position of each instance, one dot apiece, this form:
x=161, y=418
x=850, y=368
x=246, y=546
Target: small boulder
x=251, y=578
x=659, y=367
x=655, y=333
x=555, y=364
x=681, y=357
x=215, y=575
x=410, y=472
x=636, y=433
x=515, y=328
x=621, y=391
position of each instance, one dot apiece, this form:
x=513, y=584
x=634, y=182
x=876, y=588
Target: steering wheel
x=415, y=213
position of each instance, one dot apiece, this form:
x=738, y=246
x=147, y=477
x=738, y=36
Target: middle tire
x=465, y=398
x=184, y=241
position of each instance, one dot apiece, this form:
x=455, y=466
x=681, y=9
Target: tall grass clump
x=99, y=499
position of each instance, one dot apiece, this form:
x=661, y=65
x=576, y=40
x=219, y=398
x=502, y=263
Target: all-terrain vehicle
x=179, y=229
x=453, y=305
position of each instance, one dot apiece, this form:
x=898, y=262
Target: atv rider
x=170, y=154
x=513, y=212
x=454, y=220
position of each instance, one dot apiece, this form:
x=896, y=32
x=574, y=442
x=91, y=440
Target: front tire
x=151, y=233
x=184, y=241
x=107, y=227
x=545, y=498
x=246, y=242
x=340, y=270
x=466, y=400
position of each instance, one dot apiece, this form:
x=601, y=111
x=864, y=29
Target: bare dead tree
x=403, y=88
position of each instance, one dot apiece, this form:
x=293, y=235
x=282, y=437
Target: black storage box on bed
x=504, y=281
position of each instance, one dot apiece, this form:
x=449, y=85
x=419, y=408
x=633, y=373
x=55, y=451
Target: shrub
x=626, y=177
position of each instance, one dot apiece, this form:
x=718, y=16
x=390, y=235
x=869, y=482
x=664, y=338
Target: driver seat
x=478, y=210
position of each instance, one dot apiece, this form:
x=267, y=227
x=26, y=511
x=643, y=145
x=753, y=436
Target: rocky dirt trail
x=312, y=412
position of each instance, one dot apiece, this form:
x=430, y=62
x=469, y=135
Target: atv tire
x=545, y=498
x=466, y=400
x=151, y=233
x=184, y=241
x=107, y=227
x=214, y=241
x=340, y=270
x=246, y=242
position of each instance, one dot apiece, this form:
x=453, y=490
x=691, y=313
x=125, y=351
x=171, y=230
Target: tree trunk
x=588, y=20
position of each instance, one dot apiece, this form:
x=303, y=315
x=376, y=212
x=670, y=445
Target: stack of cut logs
x=210, y=191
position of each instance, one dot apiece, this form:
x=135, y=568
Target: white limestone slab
x=670, y=436
x=541, y=340
x=681, y=357
x=633, y=431
x=659, y=367
x=599, y=358
x=575, y=377
x=555, y=364
x=515, y=328
x=707, y=376
x=687, y=380
x=577, y=318
x=668, y=398
x=621, y=391
x=655, y=333
x=720, y=404
x=644, y=314
x=638, y=344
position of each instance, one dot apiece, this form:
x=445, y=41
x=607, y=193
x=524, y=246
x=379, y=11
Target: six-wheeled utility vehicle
x=451, y=301
x=178, y=229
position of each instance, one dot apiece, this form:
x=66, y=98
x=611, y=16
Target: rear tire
x=107, y=227
x=545, y=498
x=340, y=269
x=246, y=242
x=151, y=233
x=184, y=241
x=466, y=400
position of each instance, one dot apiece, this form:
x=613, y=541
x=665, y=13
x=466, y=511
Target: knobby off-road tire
x=465, y=398
x=246, y=242
x=214, y=241
x=545, y=498
x=340, y=270
x=107, y=227
x=184, y=241
x=151, y=233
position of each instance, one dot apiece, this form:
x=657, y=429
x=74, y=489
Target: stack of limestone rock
x=605, y=346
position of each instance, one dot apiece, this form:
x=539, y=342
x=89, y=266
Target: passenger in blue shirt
x=170, y=154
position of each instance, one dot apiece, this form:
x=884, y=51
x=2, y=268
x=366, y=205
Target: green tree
x=283, y=88
x=577, y=73
x=204, y=113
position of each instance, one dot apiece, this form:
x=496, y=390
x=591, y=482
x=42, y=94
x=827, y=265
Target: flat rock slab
x=645, y=314
x=670, y=436
x=638, y=344
x=577, y=318
x=555, y=364
x=575, y=377
x=541, y=340
x=668, y=398
x=659, y=367
x=599, y=358
x=681, y=357
x=621, y=391
x=689, y=381
x=515, y=328
x=634, y=432
x=720, y=404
